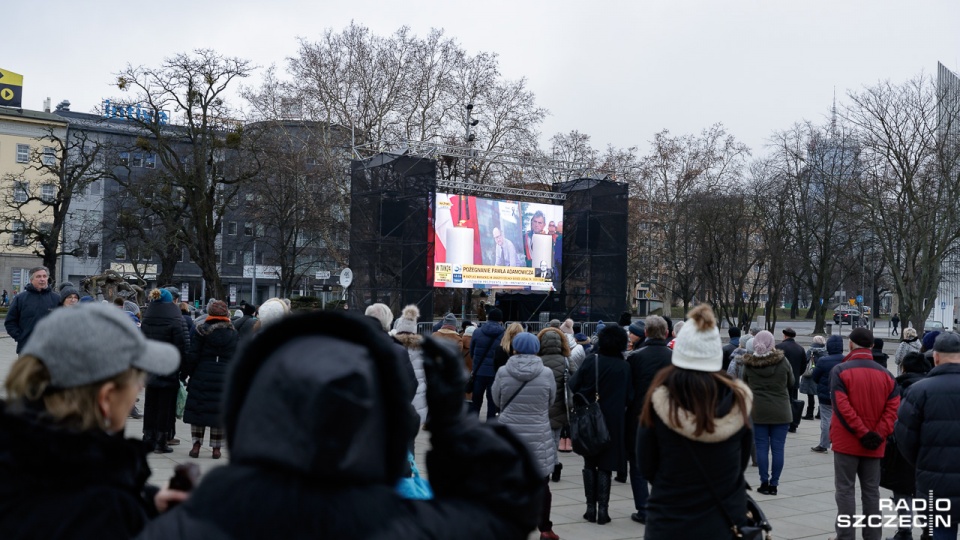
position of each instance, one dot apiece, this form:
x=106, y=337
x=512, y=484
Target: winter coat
x=735, y=369
x=466, y=339
x=412, y=343
x=770, y=378
x=244, y=326
x=928, y=434
x=577, y=352
x=485, y=341
x=528, y=414
x=681, y=505
x=550, y=354
x=905, y=348
x=26, y=309
x=896, y=473
x=317, y=426
x=825, y=364
x=58, y=483
x=880, y=357
x=797, y=358
x=211, y=353
x=450, y=335
x=162, y=321
x=865, y=399
x=500, y=357
x=807, y=384
x=727, y=349
x=644, y=364
x=615, y=394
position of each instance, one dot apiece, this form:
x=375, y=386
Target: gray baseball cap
x=947, y=342
x=88, y=343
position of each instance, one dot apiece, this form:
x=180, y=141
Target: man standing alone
x=31, y=305
x=865, y=401
x=798, y=362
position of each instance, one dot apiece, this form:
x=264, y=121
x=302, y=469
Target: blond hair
x=75, y=408
x=512, y=331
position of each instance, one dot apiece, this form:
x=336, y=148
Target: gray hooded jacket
x=528, y=414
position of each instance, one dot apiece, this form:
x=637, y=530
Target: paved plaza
x=804, y=508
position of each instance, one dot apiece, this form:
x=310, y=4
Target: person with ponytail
x=162, y=321
x=694, y=439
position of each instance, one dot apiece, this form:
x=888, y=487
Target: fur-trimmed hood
x=728, y=419
x=767, y=361
x=409, y=341
x=208, y=328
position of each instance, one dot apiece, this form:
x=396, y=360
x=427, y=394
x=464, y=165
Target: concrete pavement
x=804, y=508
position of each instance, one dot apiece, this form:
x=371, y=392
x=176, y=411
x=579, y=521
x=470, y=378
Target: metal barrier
x=587, y=328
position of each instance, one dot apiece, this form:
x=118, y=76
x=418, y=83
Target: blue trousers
x=770, y=439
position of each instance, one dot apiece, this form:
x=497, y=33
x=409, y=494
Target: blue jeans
x=483, y=385
x=770, y=438
x=826, y=414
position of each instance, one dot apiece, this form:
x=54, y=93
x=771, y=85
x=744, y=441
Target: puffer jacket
x=550, y=354
x=825, y=364
x=577, y=353
x=681, y=506
x=928, y=434
x=770, y=378
x=528, y=414
x=484, y=342
x=412, y=343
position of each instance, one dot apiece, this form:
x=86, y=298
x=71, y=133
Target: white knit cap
x=408, y=319
x=698, y=345
x=271, y=311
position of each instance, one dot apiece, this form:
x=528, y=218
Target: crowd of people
x=320, y=411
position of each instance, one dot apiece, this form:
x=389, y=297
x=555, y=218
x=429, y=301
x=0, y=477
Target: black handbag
x=588, y=429
x=796, y=407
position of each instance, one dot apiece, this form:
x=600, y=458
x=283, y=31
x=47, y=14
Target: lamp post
x=253, y=279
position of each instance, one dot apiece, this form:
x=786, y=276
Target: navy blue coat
x=26, y=309
x=485, y=340
x=821, y=373
x=928, y=434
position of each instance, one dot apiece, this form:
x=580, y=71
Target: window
x=137, y=160
x=181, y=255
x=248, y=228
x=47, y=192
x=147, y=255
x=20, y=191
x=147, y=223
x=93, y=250
x=17, y=238
x=150, y=160
x=23, y=153
x=124, y=158
x=120, y=252
x=232, y=227
x=231, y=256
x=49, y=156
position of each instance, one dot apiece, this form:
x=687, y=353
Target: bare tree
x=911, y=183
x=65, y=163
x=208, y=154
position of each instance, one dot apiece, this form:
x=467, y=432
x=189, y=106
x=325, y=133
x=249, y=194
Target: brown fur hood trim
x=772, y=359
x=724, y=428
x=410, y=341
x=207, y=328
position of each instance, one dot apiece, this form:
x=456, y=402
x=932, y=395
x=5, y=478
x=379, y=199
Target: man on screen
x=506, y=251
x=544, y=272
x=537, y=223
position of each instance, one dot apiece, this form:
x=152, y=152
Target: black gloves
x=443, y=369
x=872, y=440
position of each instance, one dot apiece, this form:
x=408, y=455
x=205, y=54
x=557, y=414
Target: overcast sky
x=618, y=71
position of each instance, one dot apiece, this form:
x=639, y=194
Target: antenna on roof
x=833, y=116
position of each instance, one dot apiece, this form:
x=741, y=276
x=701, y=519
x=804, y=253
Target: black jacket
x=796, y=356
x=244, y=325
x=681, y=505
x=56, y=483
x=896, y=473
x=928, y=434
x=317, y=420
x=727, y=350
x=821, y=373
x=211, y=353
x=163, y=321
x=615, y=393
x=880, y=357
x=26, y=309
x=644, y=364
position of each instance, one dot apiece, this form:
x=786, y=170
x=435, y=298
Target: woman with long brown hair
x=694, y=439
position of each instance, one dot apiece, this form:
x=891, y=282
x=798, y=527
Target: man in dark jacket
x=798, y=361
x=244, y=325
x=317, y=447
x=928, y=434
x=821, y=376
x=644, y=365
x=483, y=349
x=31, y=305
x=865, y=401
x=734, y=333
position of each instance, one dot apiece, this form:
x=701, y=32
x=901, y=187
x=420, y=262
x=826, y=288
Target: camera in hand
x=185, y=477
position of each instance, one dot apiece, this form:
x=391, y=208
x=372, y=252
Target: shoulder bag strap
x=513, y=396
x=476, y=365
x=719, y=501
x=596, y=392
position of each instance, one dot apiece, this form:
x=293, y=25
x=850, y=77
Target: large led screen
x=488, y=243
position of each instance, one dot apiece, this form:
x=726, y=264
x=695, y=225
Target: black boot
x=590, y=491
x=556, y=472
x=603, y=497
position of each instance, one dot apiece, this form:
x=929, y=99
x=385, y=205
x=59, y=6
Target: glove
x=443, y=370
x=872, y=440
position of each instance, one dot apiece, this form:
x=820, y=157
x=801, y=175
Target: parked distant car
x=933, y=326
x=849, y=315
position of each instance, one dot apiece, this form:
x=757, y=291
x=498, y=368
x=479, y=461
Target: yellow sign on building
x=11, y=88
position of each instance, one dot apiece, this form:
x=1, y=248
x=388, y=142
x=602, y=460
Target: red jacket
x=865, y=399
